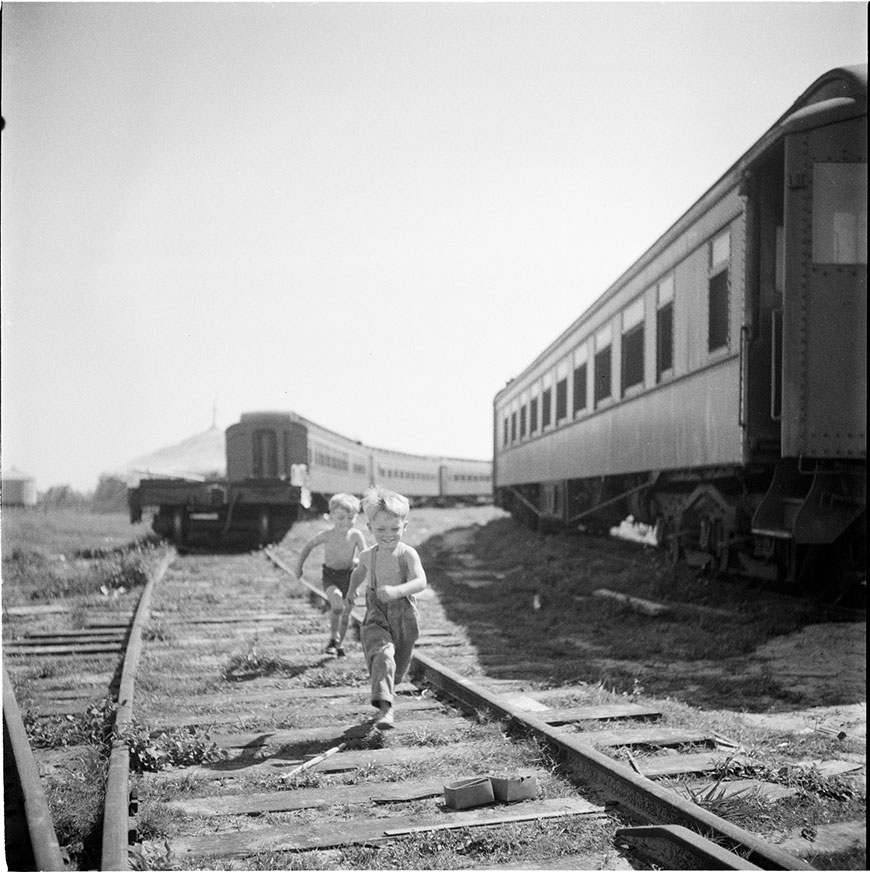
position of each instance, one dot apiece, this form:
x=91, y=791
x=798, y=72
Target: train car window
x=720, y=249
x=580, y=388
x=265, y=454
x=561, y=399
x=632, y=345
x=664, y=340
x=523, y=421
x=562, y=390
x=602, y=375
x=546, y=408
x=505, y=430
x=718, y=312
x=718, y=287
x=840, y=213
x=665, y=328
x=513, y=426
x=580, y=376
x=533, y=415
x=602, y=387
x=632, y=358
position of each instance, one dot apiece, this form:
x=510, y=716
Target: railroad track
x=232, y=663
x=70, y=659
x=300, y=768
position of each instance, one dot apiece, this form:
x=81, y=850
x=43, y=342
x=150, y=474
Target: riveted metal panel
x=824, y=410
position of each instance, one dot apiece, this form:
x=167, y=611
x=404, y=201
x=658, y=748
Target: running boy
x=340, y=544
x=395, y=574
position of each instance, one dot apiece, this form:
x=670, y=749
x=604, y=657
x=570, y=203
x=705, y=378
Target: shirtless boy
x=341, y=544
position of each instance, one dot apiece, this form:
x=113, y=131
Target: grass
x=68, y=532
x=62, y=554
x=544, y=601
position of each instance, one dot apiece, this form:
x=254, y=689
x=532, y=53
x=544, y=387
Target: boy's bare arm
x=357, y=577
x=416, y=579
x=307, y=548
x=359, y=541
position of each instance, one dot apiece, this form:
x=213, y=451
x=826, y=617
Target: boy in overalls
x=395, y=573
x=340, y=545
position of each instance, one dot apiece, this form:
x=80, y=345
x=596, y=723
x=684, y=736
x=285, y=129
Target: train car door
x=761, y=339
x=824, y=403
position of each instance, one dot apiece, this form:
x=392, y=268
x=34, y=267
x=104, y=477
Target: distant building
x=18, y=489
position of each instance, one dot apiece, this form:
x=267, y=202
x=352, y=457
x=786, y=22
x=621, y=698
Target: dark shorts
x=339, y=578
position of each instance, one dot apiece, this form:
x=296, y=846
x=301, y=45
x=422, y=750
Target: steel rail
x=116, y=811
x=641, y=795
x=43, y=838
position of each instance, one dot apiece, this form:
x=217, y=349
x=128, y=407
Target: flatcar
x=717, y=390
x=280, y=465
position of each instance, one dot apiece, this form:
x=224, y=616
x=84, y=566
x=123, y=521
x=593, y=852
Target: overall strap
x=403, y=566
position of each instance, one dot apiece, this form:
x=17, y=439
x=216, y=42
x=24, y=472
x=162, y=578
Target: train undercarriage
x=217, y=514
x=798, y=529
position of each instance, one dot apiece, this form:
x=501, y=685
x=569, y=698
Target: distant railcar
x=465, y=480
x=280, y=464
x=718, y=388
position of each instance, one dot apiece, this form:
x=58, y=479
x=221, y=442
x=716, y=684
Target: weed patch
x=76, y=805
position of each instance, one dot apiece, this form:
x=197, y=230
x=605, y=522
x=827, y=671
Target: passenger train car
x=280, y=464
x=718, y=388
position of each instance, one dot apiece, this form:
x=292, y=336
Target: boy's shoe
x=386, y=720
x=339, y=652
x=332, y=647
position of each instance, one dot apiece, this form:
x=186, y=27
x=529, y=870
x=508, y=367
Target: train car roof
x=836, y=95
x=267, y=417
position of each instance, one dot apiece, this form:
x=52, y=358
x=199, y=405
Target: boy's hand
x=387, y=593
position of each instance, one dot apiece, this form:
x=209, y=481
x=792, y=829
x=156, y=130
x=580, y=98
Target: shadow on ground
x=528, y=602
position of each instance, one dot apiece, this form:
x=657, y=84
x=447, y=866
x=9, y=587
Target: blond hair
x=379, y=499
x=344, y=501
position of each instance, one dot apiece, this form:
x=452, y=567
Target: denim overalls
x=388, y=633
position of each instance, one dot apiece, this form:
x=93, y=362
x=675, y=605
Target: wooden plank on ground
x=61, y=641
x=254, y=617
x=661, y=737
x=89, y=692
x=348, y=713
x=646, y=607
x=680, y=764
x=740, y=786
x=312, y=797
x=618, y=711
x=50, y=609
x=259, y=768
x=235, y=694
x=53, y=708
x=62, y=650
x=96, y=632
x=367, y=831
x=332, y=734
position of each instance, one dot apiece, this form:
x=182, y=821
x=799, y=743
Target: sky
x=372, y=214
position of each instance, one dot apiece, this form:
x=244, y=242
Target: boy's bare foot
x=385, y=721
